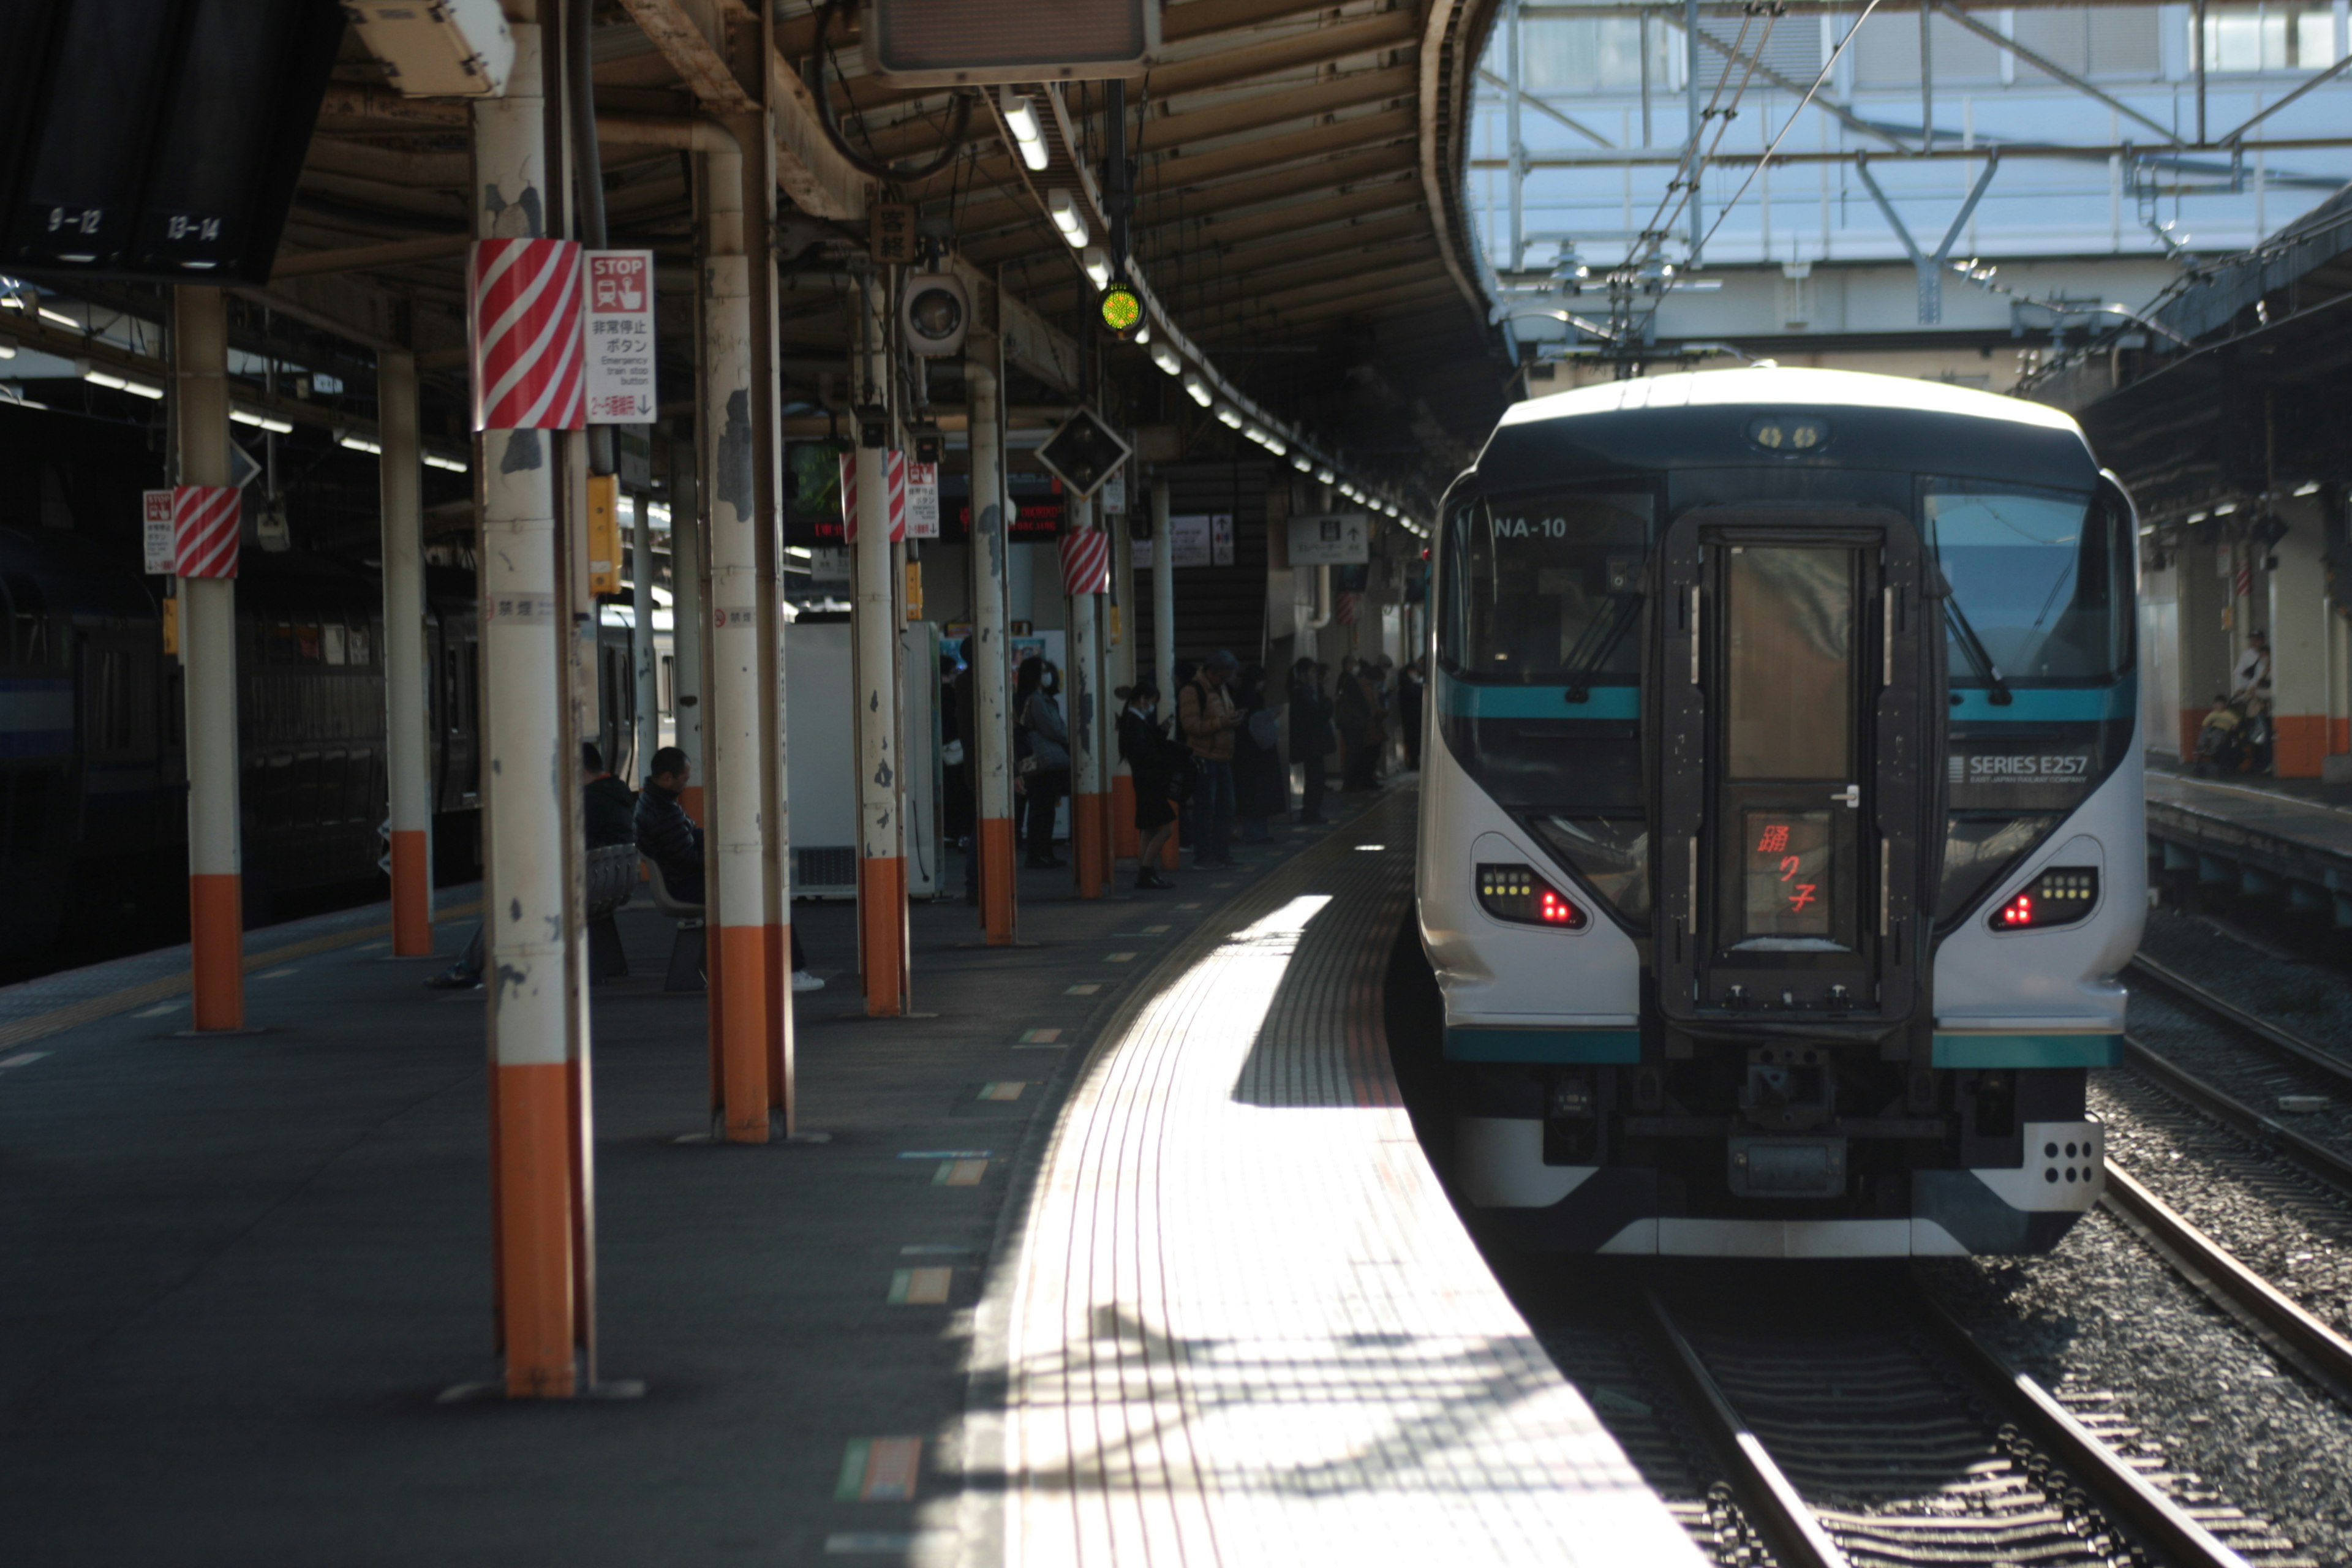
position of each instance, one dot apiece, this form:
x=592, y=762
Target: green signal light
x=1121, y=307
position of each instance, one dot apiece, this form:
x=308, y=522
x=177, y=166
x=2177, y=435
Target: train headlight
x=2059, y=897
x=1516, y=894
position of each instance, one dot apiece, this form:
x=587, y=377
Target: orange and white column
x=538, y=1093
x=991, y=535
x=873, y=587
x=208, y=660
x=1125, y=842
x=1082, y=703
x=2302, y=726
x=1163, y=623
x=736, y=898
x=407, y=678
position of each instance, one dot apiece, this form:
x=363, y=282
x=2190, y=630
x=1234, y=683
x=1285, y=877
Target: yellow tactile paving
x=1244, y=1326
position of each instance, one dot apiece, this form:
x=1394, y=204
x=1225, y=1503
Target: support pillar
x=736, y=901
x=641, y=642
x=407, y=675
x=208, y=660
x=881, y=856
x=2204, y=609
x=1083, y=704
x=2299, y=645
x=998, y=880
x=688, y=615
x=1163, y=623
x=1125, y=842
x=538, y=1093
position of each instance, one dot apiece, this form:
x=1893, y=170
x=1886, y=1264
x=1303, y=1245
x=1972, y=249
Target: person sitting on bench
x=668, y=838
x=605, y=810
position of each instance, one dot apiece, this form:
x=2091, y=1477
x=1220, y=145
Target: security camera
x=933, y=313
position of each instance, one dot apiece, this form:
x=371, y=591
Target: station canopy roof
x=1298, y=218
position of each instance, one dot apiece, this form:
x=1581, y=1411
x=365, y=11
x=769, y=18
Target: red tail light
x=2061, y=896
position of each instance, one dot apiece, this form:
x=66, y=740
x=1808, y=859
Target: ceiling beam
x=1182, y=23
x=1273, y=107
x=1319, y=46
x=1175, y=170
x=1221, y=202
x=699, y=60
x=1235, y=228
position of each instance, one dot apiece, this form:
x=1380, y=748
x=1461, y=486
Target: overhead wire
x=1823, y=76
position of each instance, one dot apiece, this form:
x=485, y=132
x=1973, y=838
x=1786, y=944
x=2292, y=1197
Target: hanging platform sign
x=1343, y=539
x=620, y=337
x=527, y=335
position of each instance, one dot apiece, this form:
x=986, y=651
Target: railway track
x=2274, y=1317
x=1906, y=1441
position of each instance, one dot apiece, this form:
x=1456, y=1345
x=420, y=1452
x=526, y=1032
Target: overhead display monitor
x=953, y=43
x=163, y=139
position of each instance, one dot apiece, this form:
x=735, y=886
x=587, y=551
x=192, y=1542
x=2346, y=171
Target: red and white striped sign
x=894, y=486
x=1086, y=562
x=525, y=330
x=204, y=519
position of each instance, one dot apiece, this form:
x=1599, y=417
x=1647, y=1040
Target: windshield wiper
x=1585, y=658
x=1981, y=661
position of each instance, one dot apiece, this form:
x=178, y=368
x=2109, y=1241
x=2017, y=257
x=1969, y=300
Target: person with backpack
x=1260, y=783
x=1206, y=713
x=1312, y=739
x=1151, y=759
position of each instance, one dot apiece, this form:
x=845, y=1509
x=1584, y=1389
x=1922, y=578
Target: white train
x=1782, y=827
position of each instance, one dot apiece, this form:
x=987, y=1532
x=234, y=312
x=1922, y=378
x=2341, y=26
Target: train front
x=1782, y=820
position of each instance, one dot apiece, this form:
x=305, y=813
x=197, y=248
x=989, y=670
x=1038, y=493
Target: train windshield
x=2042, y=578
x=1546, y=589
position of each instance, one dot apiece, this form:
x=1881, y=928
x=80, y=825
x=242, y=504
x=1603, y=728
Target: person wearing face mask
x=1145, y=750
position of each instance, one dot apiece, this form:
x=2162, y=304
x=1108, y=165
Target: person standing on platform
x=1311, y=736
x=672, y=840
x=1359, y=730
x=1261, y=784
x=1048, y=776
x=1188, y=803
x=1147, y=752
x=1205, y=710
x=1410, y=687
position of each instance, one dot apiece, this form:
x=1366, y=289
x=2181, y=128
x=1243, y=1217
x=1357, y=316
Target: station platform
x=1122, y=1249
x=2291, y=837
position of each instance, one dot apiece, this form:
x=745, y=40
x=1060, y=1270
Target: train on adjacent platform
x=93, y=779
x=1781, y=822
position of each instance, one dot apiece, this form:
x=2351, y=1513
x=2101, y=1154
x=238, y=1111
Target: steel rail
x=2330, y=1163
x=1798, y=1539
x=2276, y=1319
x=2122, y=1491
x=2312, y=1056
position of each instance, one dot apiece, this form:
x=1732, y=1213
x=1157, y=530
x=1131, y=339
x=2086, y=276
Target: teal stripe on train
x=1471, y=700
x=2044, y=705
x=1990, y=1050
x=1504, y=1045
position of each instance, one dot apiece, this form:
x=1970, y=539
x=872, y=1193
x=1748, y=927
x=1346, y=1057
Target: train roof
x=1706, y=418
x=1772, y=386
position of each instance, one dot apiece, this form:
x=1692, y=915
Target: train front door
x=1791, y=774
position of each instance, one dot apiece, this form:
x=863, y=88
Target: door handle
x=1850, y=797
